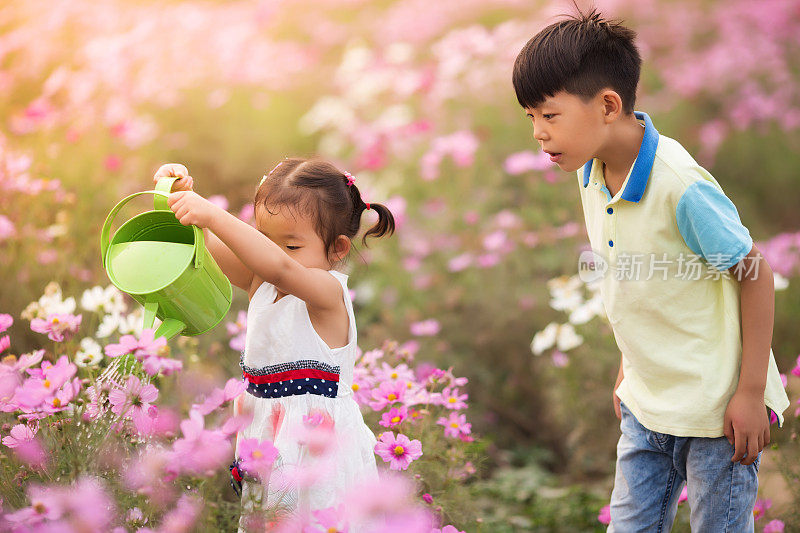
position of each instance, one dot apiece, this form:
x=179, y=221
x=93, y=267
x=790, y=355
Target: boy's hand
x=191, y=208
x=747, y=425
x=171, y=170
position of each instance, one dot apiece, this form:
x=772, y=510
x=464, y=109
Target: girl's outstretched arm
x=238, y=274
x=256, y=251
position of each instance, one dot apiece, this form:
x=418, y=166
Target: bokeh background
x=415, y=99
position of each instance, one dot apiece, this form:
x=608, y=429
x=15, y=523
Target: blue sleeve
x=710, y=225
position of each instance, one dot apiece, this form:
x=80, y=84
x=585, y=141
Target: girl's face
x=294, y=232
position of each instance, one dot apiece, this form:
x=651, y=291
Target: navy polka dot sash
x=291, y=379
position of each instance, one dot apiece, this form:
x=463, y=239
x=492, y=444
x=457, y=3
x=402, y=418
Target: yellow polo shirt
x=663, y=245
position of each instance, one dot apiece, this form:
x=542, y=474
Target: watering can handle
x=162, y=197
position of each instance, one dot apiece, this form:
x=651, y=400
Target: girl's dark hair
x=580, y=55
x=319, y=189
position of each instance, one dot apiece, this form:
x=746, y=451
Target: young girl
x=300, y=346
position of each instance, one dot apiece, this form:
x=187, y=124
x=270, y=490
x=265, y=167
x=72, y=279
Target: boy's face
x=568, y=128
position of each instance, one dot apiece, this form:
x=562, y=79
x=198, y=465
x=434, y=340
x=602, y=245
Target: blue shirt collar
x=643, y=165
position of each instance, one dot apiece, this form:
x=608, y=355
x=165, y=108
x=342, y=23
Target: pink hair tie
x=350, y=179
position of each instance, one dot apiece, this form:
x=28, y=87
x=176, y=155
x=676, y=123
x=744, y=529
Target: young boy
x=688, y=296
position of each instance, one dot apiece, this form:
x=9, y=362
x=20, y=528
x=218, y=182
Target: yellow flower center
x=395, y=419
x=392, y=396
x=55, y=320
x=453, y=424
x=332, y=530
x=46, y=383
x=39, y=508
x=9, y=360
x=56, y=402
x=394, y=375
x=451, y=400
x=257, y=454
x=409, y=385
x=399, y=450
x=355, y=387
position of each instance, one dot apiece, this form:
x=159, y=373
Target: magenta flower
x=133, y=399
x=6, y=321
x=387, y=393
x=5, y=343
x=427, y=498
x=154, y=364
x=448, y=529
x=233, y=389
x=605, y=515
x=330, y=520
x=774, y=526
x=58, y=326
x=257, y=456
x=237, y=331
x=394, y=417
x=425, y=328
x=183, y=516
x=44, y=383
x=760, y=507
x=398, y=451
x=127, y=344
x=200, y=451
x=451, y=399
x=684, y=496
x=20, y=434
x=455, y=426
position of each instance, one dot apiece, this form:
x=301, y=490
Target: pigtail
x=385, y=224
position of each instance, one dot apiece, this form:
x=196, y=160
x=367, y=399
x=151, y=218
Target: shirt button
x=610, y=210
x=611, y=243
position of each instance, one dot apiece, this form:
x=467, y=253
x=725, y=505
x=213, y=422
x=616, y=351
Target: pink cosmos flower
x=44, y=383
x=20, y=434
x=394, y=417
x=427, y=498
x=233, y=389
x=451, y=399
x=399, y=451
x=387, y=504
x=399, y=373
x=58, y=326
x=154, y=422
x=605, y=515
x=200, y=451
x=133, y=399
x=760, y=507
x=521, y=162
x=386, y=394
x=425, y=328
x=448, y=529
x=5, y=343
x=330, y=520
x=183, y=517
x=684, y=496
x=6, y=321
x=257, y=457
x=774, y=526
x=455, y=425
x=237, y=331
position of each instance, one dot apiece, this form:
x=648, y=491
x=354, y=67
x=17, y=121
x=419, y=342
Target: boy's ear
x=341, y=247
x=612, y=105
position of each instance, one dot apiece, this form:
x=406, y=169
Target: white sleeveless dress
x=292, y=373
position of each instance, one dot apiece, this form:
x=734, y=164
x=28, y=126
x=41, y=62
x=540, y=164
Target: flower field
x=487, y=363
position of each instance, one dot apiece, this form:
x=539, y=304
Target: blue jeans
x=652, y=468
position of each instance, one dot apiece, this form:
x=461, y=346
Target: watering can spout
x=168, y=328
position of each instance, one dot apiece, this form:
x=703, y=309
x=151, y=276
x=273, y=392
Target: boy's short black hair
x=581, y=55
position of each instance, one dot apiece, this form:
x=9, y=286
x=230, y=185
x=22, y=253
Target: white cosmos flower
x=89, y=354
x=108, y=300
x=563, y=336
x=587, y=311
x=781, y=283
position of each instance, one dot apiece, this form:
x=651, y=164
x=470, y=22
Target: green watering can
x=166, y=267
